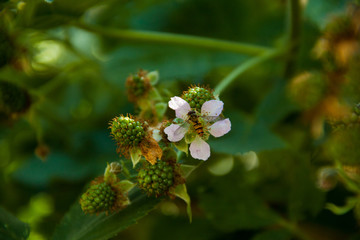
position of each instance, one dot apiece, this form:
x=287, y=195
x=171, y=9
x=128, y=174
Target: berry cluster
x=127, y=132
x=197, y=96
x=137, y=85
x=156, y=179
x=98, y=198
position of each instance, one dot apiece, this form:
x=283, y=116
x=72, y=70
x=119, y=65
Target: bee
x=194, y=121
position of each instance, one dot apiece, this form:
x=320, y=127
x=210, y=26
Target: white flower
x=199, y=149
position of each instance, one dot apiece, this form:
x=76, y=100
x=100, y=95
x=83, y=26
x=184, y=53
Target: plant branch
x=225, y=82
x=175, y=39
x=293, y=34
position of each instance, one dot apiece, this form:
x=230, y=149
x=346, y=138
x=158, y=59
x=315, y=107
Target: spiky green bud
x=156, y=179
x=127, y=132
x=98, y=198
x=197, y=96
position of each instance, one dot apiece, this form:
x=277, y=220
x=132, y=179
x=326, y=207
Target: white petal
x=212, y=108
x=180, y=106
x=175, y=132
x=220, y=128
x=199, y=149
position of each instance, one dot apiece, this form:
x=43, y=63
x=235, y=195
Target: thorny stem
x=175, y=39
x=293, y=22
x=225, y=82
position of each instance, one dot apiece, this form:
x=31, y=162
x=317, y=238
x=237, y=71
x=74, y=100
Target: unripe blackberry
x=138, y=86
x=156, y=179
x=197, y=96
x=127, y=132
x=12, y=99
x=307, y=89
x=98, y=198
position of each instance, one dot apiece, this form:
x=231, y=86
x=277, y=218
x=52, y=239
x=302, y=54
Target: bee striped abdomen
x=193, y=119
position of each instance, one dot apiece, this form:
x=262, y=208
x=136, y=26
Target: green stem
x=225, y=82
x=293, y=35
x=349, y=183
x=175, y=39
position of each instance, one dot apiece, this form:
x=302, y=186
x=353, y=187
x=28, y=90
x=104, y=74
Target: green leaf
x=78, y=226
x=154, y=77
x=186, y=170
x=181, y=192
x=160, y=109
x=182, y=146
x=125, y=185
x=340, y=210
x=230, y=203
x=12, y=228
x=135, y=154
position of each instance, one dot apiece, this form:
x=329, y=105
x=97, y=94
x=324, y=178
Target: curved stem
x=175, y=39
x=225, y=82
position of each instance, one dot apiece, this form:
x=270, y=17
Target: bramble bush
x=179, y=119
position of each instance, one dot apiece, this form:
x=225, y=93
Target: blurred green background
x=261, y=180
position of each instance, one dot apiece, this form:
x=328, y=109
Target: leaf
x=320, y=11
x=160, y=109
x=125, y=185
x=340, y=210
x=135, y=155
x=153, y=77
x=230, y=203
x=181, y=192
x=12, y=228
x=186, y=170
x=182, y=146
x=78, y=226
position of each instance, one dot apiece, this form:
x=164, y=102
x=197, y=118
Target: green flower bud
x=197, y=96
x=157, y=179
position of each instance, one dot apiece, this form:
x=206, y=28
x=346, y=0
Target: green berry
x=98, y=198
x=197, y=96
x=156, y=179
x=124, y=132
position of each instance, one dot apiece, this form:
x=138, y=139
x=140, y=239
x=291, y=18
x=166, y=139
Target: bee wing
x=182, y=129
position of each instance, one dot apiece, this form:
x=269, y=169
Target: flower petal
x=199, y=149
x=212, y=108
x=175, y=132
x=180, y=106
x=220, y=128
